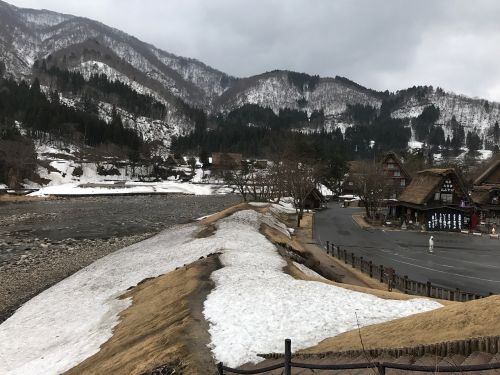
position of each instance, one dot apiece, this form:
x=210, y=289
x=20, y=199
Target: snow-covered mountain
x=27, y=35
x=80, y=44
x=476, y=115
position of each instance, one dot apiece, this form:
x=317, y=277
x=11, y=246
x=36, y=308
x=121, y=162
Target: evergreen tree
x=473, y=141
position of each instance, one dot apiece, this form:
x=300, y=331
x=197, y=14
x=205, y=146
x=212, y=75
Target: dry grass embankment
x=164, y=325
x=456, y=321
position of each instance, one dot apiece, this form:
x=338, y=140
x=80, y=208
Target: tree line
x=100, y=88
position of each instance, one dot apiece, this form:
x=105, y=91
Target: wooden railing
x=381, y=367
x=389, y=276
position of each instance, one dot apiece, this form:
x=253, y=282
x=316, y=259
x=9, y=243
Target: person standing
x=431, y=244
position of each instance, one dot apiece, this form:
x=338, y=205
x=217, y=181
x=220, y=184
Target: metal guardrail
x=381, y=367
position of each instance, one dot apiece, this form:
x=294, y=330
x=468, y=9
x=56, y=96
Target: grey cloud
x=380, y=44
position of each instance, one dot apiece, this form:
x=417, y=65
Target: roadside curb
x=361, y=222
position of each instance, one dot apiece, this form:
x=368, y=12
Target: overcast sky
x=389, y=44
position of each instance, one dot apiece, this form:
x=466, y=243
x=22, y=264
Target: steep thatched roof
x=490, y=171
x=396, y=158
x=425, y=183
x=481, y=196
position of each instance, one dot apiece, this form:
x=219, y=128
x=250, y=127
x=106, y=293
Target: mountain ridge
x=85, y=45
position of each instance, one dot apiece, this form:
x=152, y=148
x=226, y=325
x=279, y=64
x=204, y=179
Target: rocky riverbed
x=44, y=242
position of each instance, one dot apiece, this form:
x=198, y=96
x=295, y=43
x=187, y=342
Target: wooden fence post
x=458, y=296
x=328, y=247
x=381, y=268
x=345, y=256
x=428, y=288
x=406, y=284
x=220, y=369
x=288, y=357
x=371, y=269
x=353, y=261
x=381, y=368
x=361, y=264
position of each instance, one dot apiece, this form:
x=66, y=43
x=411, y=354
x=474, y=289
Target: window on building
x=447, y=197
x=437, y=196
x=390, y=166
x=403, y=182
x=397, y=173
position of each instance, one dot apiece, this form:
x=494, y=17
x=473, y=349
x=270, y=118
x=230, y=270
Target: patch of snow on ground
x=68, y=322
x=485, y=154
x=252, y=309
x=255, y=306
x=109, y=188
x=325, y=191
x=415, y=144
x=307, y=271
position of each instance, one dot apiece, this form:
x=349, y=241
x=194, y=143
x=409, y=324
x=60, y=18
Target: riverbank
x=43, y=242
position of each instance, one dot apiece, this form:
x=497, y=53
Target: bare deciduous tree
x=370, y=185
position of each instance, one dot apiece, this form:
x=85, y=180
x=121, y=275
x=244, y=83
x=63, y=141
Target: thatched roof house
x=314, y=200
x=486, y=190
x=396, y=176
x=226, y=160
x=427, y=183
x=436, y=198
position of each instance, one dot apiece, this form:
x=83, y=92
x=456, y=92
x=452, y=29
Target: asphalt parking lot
x=462, y=261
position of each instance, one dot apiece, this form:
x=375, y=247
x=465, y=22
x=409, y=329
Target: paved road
x=470, y=263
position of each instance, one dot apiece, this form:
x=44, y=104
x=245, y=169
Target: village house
x=354, y=168
x=226, y=160
x=314, y=200
x=486, y=195
x=173, y=161
x=396, y=176
x=436, y=200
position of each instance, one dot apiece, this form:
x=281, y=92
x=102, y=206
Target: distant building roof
x=425, y=183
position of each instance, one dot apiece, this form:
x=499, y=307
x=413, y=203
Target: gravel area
x=44, y=242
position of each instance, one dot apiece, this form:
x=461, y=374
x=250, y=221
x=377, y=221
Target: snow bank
x=252, y=309
x=130, y=188
x=255, y=306
x=68, y=322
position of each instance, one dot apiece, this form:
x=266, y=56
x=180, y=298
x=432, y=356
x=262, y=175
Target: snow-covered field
x=253, y=307
x=62, y=180
x=131, y=188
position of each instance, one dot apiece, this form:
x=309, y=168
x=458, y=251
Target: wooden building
x=486, y=194
x=314, y=200
x=437, y=200
x=354, y=168
x=226, y=160
x=396, y=176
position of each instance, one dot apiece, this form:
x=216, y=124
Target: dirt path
x=327, y=264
